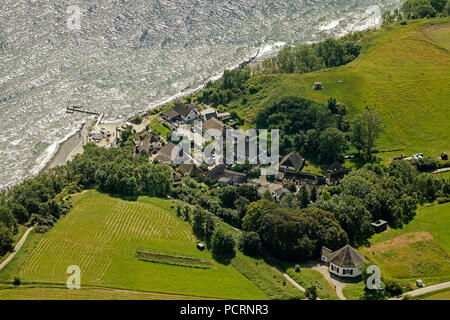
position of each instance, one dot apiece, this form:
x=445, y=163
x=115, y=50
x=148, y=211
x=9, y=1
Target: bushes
x=17, y=281
x=424, y=165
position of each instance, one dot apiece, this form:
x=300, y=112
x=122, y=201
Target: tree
x=438, y=5
x=20, y=213
x=6, y=240
x=333, y=144
x=256, y=211
x=222, y=245
x=366, y=128
x=250, y=243
x=417, y=9
x=311, y=292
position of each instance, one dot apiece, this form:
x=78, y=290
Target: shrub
x=392, y=287
x=17, y=281
x=297, y=268
x=311, y=292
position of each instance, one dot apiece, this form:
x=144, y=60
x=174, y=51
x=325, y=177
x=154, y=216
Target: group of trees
x=377, y=192
x=311, y=57
x=417, y=9
x=290, y=233
x=320, y=132
x=227, y=88
x=229, y=203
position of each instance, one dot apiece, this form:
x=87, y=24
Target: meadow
x=101, y=235
x=419, y=250
x=402, y=74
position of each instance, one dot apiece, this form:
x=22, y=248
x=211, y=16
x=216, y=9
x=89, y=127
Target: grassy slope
x=402, y=74
x=101, y=235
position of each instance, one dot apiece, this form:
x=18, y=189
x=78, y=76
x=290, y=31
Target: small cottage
x=318, y=86
x=344, y=262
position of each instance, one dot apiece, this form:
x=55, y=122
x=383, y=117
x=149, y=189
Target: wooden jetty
x=72, y=109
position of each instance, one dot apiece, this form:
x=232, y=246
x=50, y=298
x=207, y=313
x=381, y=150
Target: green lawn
x=402, y=73
x=266, y=277
x=101, y=234
x=307, y=277
x=441, y=295
x=158, y=129
x=418, y=250
x=354, y=291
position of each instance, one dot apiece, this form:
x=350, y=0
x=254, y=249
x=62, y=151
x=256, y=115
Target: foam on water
x=132, y=55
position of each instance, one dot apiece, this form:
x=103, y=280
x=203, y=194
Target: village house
x=223, y=176
x=191, y=170
x=280, y=193
x=344, y=262
x=292, y=162
x=181, y=112
x=336, y=173
x=146, y=141
x=208, y=114
x=215, y=124
x=165, y=154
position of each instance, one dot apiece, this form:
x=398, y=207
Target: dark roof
x=184, y=109
x=335, y=166
x=165, y=154
x=293, y=160
x=190, y=170
x=220, y=171
x=282, y=191
x=171, y=114
x=215, y=173
x=346, y=257
x=213, y=123
x=326, y=252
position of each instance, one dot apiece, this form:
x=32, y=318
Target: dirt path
x=17, y=248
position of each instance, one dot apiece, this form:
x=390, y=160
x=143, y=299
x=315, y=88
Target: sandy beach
x=72, y=146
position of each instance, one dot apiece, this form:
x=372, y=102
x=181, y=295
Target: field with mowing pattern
x=402, y=73
x=101, y=235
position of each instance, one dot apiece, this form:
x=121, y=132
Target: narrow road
x=17, y=248
x=421, y=291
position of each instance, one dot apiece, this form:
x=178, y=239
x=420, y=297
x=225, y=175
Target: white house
x=344, y=262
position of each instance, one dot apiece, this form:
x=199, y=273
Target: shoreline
x=74, y=144
x=70, y=147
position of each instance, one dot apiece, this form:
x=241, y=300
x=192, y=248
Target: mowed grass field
x=402, y=73
x=419, y=250
x=101, y=234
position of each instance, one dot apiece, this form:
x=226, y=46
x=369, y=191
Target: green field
x=307, y=277
x=101, y=235
x=158, y=129
x=418, y=250
x=441, y=295
x=402, y=73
